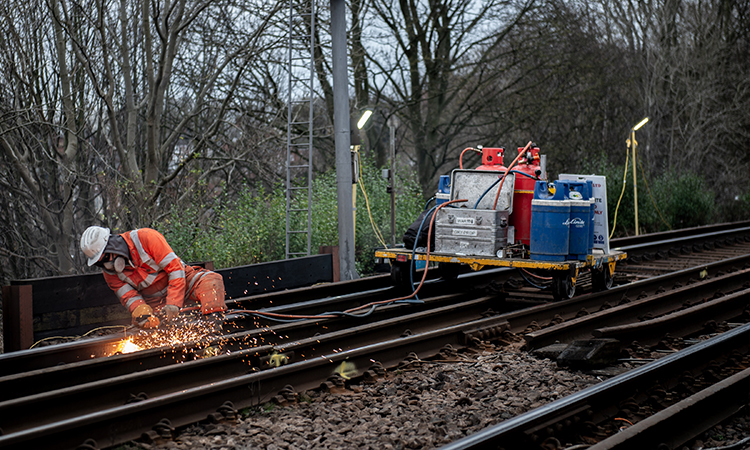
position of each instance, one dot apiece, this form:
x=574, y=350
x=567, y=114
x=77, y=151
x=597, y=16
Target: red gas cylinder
x=492, y=159
x=523, y=193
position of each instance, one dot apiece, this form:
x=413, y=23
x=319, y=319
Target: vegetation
x=175, y=114
x=252, y=228
x=669, y=200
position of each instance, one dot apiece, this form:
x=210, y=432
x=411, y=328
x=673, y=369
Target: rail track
x=147, y=394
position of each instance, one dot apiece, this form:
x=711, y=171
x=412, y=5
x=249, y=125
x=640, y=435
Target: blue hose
x=530, y=282
x=498, y=180
x=414, y=250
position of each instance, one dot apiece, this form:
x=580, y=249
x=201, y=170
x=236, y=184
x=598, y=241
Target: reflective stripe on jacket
x=157, y=271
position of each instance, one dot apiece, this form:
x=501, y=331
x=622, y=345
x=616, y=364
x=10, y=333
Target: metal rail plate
x=478, y=262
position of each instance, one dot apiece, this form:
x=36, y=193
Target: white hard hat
x=93, y=242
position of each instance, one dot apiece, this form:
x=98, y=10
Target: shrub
x=252, y=228
x=682, y=200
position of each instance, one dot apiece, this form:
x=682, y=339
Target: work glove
x=144, y=317
x=170, y=312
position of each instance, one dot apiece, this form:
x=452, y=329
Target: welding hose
x=523, y=274
x=494, y=206
x=460, y=158
x=427, y=261
x=414, y=249
x=498, y=180
x=428, y=202
x=429, y=238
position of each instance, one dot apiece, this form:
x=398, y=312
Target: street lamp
x=633, y=144
x=363, y=120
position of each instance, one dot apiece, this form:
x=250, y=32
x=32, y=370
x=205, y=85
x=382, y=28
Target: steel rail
x=56, y=377
x=685, y=420
x=123, y=423
x=679, y=323
x=653, y=303
x=672, y=234
x=517, y=432
x=85, y=350
x=53, y=406
x=68, y=375
x=676, y=242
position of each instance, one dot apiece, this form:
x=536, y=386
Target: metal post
x=635, y=185
x=18, y=318
x=342, y=140
x=392, y=176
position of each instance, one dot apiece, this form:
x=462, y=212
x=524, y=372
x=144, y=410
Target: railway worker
x=147, y=276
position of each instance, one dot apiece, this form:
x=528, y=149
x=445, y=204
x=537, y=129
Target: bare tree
x=691, y=79
x=428, y=68
x=107, y=107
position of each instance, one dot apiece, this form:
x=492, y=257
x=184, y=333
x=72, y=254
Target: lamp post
x=355, y=167
x=633, y=144
x=342, y=140
x=392, y=123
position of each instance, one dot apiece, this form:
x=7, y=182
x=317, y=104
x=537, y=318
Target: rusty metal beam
x=18, y=318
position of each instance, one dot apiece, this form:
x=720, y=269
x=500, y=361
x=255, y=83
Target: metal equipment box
x=471, y=232
x=479, y=188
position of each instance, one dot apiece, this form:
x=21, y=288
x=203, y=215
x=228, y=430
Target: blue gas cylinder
x=550, y=219
x=580, y=229
x=581, y=219
x=444, y=190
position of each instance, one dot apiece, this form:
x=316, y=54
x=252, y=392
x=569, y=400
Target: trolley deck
x=563, y=273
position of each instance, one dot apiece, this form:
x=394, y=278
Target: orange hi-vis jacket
x=158, y=275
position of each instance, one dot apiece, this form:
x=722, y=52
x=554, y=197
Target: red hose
x=460, y=158
x=427, y=261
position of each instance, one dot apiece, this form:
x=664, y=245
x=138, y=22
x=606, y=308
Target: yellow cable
x=124, y=328
x=375, y=228
x=361, y=185
x=78, y=337
x=643, y=174
x=52, y=337
x=624, y=183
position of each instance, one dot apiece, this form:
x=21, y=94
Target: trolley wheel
x=400, y=273
x=449, y=271
x=563, y=287
x=601, y=279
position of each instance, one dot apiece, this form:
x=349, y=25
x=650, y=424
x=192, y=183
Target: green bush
x=234, y=233
x=670, y=200
x=409, y=203
x=688, y=201
x=252, y=228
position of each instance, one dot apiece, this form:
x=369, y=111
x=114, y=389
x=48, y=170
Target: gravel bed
x=425, y=405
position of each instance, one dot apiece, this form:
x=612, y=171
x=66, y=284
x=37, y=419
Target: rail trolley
x=513, y=217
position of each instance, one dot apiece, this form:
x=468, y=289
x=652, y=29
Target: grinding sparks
x=128, y=346
x=185, y=334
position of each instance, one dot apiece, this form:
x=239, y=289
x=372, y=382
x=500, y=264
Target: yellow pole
x=635, y=185
x=355, y=179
